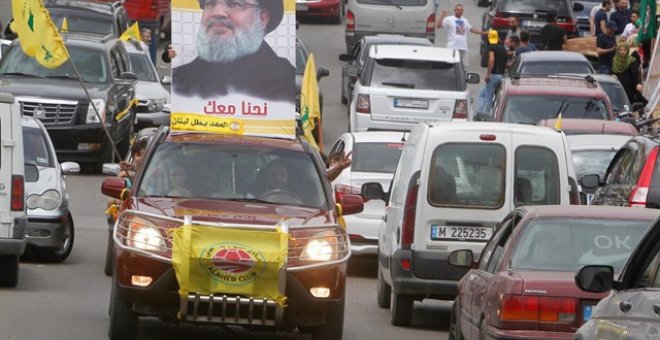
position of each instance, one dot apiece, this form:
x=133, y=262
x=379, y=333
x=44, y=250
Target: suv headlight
x=91, y=114
x=48, y=200
x=321, y=247
x=155, y=105
x=143, y=235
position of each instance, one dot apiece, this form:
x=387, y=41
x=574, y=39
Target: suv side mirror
x=352, y=71
x=578, y=7
x=483, y=117
x=321, y=72
x=70, y=168
x=351, y=204
x=372, y=191
x=463, y=258
x=115, y=187
x=590, y=181
x=167, y=80
x=472, y=78
x=346, y=57
x=111, y=169
x=595, y=279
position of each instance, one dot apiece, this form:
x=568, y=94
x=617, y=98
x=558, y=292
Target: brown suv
x=231, y=183
x=530, y=99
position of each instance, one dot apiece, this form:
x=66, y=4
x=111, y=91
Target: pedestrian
x=497, y=60
x=553, y=37
x=606, y=48
x=633, y=26
x=168, y=54
x=628, y=69
x=620, y=16
x=457, y=27
x=514, y=29
x=600, y=17
x=525, y=44
x=145, y=36
x=514, y=44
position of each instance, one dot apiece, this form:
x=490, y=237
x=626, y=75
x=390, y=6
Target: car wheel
x=484, y=55
x=401, y=310
x=109, y=255
x=333, y=328
x=344, y=100
x=383, y=291
x=123, y=320
x=337, y=19
x=8, y=271
x=455, y=332
x=62, y=253
x=107, y=156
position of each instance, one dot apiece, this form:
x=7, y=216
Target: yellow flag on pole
x=37, y=33
x=132, y=32
x=310, y=110
x=558, y=122
x=65, y=26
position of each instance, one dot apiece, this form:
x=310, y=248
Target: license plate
x=441, y=232
x=411, y=103
x=302, y=8
x=587, y=310
x=532, y=23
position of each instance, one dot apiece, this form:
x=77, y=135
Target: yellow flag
x=132, y=32
x=65, y=26
x=558, y=123
x=37, y=34
x=210, y=260
x=310, y=111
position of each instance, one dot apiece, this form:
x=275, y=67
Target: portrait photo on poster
x=234, y=58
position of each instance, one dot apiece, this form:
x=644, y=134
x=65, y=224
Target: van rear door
x=11, y=163
x=406, y=17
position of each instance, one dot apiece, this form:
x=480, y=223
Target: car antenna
x=403, y=138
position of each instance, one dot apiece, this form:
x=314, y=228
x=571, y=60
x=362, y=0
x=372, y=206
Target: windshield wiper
x=63, y=76
x=20, y=74
x=390, y=2
x=406, y=85
x=247, y=199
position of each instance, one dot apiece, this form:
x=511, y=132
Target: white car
x=374, y=159
x=402, y=85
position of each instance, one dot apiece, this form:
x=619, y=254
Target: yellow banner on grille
x=211, y=260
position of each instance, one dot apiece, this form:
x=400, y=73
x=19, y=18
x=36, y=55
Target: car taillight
x=499, y=21
x=350, y=21
x=538, y=309
x=408, y=226
x=430, y=25
x=343, y=189
x=460, y=109
x=363, y=105
x=567, y=24
x=640, y=191
x=17, y=193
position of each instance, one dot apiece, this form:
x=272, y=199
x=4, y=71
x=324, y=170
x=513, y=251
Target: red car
x=523, y=286
x=328, y=9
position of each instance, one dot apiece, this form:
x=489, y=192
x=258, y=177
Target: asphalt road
x=70, y=300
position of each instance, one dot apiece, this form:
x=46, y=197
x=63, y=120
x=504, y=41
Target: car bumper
x=16, y=245
x=405, y=282
x=493, y=333
x=319, y=9
x=363, y=233
x=352, y=37
x=45, y=232
x=152, y=119
x=66, y=140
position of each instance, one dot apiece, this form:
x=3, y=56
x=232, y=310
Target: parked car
x=532, y=16
x=402, y=85
x=149, y=90
x=414, y=18
x=374, y=158
x=327, y=9
x=616, y=93
x=630, y=310
x=49, y=231
x=357, y=58
x=583, y=16
x=84, y=16
x=301, y=62
x=530, y=99
x=523, y=284
x=171, y=187
x=550, y=62
x=631, y=178
x=56, y=97
x=454, y=183
x=12, y=192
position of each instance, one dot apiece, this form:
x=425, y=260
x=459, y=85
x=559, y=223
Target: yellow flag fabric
x=132, y=32
x=65, y=26
x=310, y=111
x=38, y=35
x=210, y=260
x=558, y=123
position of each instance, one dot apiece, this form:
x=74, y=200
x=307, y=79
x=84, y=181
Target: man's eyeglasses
x=229, y=5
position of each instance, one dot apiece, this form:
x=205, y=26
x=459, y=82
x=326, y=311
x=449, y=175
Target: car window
x=567, y=244
x=338, y=147
x=393, y=2
x=35, y=148
x=301, y=58
x=86, y=22
x=533, y=108
x=536, y=176
x=491, y=248
x=142, y=67
x=417, y=74
x=592, y=162
x=651, y=274
x=467, y=175
x=233, y=172
x=555, y=67
x=618, y=97
x=532, y=6
x=90, y=63
x=622, y=172
x=376, y=157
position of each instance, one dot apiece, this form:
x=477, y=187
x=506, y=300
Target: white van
x=454, y=183
x=413, y=18
x=12, y=191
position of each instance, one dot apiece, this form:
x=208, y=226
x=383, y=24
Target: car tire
x=109, y=255
x=383, y=291
x=401, y=310
x=107, y=156
x=55, y=255
x=455, y=331
x=123, y=320
x=8, y=271
x=337, y=19
x=333, y=328
x=484, y=56
x=344, y=100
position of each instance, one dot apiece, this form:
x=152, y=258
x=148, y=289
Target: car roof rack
x=587, y=78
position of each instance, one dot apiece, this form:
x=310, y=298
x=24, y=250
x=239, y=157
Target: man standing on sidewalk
x=497, y=58
x=457, y=27
x=606, y=48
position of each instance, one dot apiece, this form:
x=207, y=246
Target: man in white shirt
x=457, y=27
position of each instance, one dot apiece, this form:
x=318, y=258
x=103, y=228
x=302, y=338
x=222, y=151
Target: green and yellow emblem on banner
x=212, y=260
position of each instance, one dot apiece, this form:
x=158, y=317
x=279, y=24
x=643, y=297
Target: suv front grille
x=50, y=112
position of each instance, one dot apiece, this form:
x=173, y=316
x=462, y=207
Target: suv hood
x=145, y=90
x=233, y=212
x=63, y=89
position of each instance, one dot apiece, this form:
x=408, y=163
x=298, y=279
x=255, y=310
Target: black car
x=89, y=16
x=532, y=15
x=551, y=62
x=56, y=97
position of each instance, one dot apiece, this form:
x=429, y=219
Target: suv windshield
x=532, y=109
x=376, y=157
x=91, y=64
x=35, y=148
x=393, y=2
x=233, y=172
x=592, y=162
x=417, y=74
x=86, y=22
x=532, y=6
x=142, y=67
